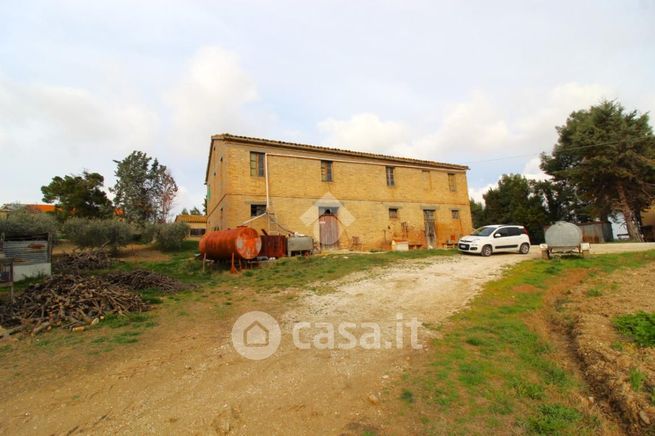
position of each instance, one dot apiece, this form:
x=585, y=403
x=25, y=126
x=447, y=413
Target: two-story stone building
x=345, y=199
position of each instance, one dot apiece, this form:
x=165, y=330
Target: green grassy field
x=287, y=272
x=495, y=371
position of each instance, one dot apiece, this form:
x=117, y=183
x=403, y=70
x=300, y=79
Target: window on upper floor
x=256, y=164
x=454, y=214
x=393, y=212
x=326, y=170
x=452, y=182
x=390, y=178
x=257, y=209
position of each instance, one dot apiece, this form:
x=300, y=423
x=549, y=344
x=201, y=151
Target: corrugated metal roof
x=27, y=250
x=321, y=149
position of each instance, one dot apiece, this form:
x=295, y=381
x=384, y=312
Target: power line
x=532, y=154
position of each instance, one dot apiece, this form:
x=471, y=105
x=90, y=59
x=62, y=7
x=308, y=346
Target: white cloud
x=48, y=130
x=541, y=112
x=477, y=193
x=477, y=129
x=532, y=171
x=364, y=132
x=479, y=125
x=210, y=99
x=188, y=198
x=476, y=125
x=34, y=115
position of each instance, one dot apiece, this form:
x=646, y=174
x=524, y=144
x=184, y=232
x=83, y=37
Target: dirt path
x=191, y=380
x=621, y=247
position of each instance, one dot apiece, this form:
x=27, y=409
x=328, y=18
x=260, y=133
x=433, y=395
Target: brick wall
x=359, y=192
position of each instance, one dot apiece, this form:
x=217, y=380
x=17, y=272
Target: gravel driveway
x=193, y=381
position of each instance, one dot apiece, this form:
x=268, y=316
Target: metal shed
x=31, y=254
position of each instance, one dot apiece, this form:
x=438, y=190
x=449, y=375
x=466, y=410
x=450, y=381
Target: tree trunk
x=633, y=231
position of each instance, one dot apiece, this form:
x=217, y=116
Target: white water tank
x=563, y=234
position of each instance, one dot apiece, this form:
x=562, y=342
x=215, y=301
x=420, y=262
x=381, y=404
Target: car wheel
x=486, y=250
x=525, y=248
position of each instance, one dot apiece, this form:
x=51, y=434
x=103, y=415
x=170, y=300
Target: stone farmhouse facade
x=344, y=199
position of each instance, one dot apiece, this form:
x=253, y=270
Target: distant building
x=10, y=208
x=343, y=198
x=197, y=223
x=43, y=208
x=648, y=224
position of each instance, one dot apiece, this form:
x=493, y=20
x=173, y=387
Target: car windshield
x=483, y=231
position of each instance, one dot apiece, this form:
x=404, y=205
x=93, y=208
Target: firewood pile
x=139, y=280
x=67, y=301
x=78, y=261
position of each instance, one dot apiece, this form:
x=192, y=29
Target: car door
x=503, y=239
x=513, y=239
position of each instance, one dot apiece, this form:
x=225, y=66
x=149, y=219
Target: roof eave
x=321, y=149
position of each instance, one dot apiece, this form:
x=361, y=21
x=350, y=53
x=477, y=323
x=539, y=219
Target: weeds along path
x=186, y=377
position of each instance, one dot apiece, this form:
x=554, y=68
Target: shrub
x=23, y=222
x=88, y=233
x=170, y=236
x=640, y=327
x=148, y=233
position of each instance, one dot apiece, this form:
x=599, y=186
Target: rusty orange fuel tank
x=243, y=242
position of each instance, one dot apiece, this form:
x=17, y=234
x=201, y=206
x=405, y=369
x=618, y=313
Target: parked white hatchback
x=496, y=239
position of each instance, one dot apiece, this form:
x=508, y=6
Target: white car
x=496, y=239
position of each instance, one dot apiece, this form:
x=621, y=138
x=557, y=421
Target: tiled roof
x=41, y=207
x=191, y=218
x=331, y=150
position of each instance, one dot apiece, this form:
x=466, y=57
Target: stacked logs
x=139, y=280
x=78, y=261
x=67, y=301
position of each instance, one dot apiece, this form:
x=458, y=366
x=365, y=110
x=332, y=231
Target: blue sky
x=83, y=83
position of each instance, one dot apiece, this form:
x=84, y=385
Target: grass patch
x=594, y=292
x=151, y=296
x=636, y=379
x=492, y=369
x=639, y=327
x=116, y=321
x=129, y=337
x=553, y=419
x=407, y=396
x=525, y=389
x=617, y=346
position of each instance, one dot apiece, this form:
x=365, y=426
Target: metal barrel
x=274, y=246
x=242, y=242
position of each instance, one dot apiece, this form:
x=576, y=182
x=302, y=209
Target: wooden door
x=430, y=228
x=329, y=231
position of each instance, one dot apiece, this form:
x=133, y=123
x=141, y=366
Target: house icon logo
x=256, y=335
